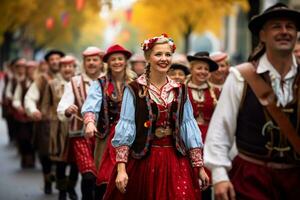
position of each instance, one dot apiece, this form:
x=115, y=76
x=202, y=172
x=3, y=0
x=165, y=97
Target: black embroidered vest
x=109, y=112
x=145, y=133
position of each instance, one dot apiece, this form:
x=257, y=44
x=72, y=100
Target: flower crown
x=149, y=43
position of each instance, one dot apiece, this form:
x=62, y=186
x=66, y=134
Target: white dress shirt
x=221, y=133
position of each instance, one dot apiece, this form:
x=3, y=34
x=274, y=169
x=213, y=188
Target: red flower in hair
x=148, y=44
x=173, y=47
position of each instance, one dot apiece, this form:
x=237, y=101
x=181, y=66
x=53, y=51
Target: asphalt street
x=17, y=183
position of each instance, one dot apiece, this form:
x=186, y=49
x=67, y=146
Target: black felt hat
x=276, y=11
x=204, y=56
x=53, y=51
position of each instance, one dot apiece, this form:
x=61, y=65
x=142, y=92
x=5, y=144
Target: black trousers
x=64, y=181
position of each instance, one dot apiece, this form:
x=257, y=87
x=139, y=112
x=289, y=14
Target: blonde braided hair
x=143, y=92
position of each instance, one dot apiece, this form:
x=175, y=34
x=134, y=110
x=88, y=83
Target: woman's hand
x=122, y=178
x=90, y=130
x=204, y=178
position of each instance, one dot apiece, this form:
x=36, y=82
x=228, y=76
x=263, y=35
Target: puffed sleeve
x=92, y=105
x=125, y=129
x=191, y=135
x=189, y=129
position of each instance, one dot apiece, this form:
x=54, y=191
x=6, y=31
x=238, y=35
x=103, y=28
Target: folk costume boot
x=29, y=160
x=71, y=190
x=61, y=185
x=88, y=184
x=99, y=191
x=62, y=195
x=47, y=184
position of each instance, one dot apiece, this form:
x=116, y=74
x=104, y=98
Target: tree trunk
x=5, y=48
x=186, y=37
x=254, y=10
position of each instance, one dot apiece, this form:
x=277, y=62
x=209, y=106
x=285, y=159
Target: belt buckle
x=160, y=132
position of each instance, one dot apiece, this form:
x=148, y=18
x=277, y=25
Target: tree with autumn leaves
x=71, y=25
x=181, y=18
x=43, y=24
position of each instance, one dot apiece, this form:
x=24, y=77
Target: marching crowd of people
x=152, y=127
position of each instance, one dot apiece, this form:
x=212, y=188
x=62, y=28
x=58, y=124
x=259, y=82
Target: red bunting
x=128, y=14
x=65, y=18
x=80, y=4
x=49, y=23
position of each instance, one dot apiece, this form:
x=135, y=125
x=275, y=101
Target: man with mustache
x=69, y=108
x=267, y=164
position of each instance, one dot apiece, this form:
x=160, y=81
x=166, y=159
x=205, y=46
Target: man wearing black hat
x=33, y=100
x=259, y=111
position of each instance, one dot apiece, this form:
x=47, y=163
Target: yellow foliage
x=30, y=16
x=178, y=17
x=14, y=14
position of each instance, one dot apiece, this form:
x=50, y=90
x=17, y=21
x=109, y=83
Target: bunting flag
x=80, y=4
x=65, y=18
x=49, y=23
x=128, y=14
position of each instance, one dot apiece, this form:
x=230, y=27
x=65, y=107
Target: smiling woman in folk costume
x=104, y=101
x=203, y=97
x=155, y=135
x=69, y=109
x=59, y=146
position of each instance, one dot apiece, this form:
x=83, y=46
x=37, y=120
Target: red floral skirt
x=84, y=154
x=108, y=160
x=164, y=174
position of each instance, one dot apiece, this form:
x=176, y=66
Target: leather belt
x=162, y=132
x=272, y=165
